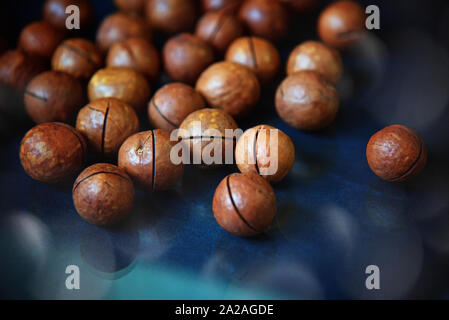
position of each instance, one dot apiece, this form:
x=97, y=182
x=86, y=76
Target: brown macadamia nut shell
x=54, y=12
x=171, y=16
x=40, y=39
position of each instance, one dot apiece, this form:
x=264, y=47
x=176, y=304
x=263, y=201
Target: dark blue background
x=335, y=217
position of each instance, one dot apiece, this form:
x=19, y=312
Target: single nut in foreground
x=171, y=16
x=106, y=123
x=145, y=157
x=118, y=27
x=265, y=18
x=230, y=87
x=53, y=96
x=122, y=83
x=316, y=56
x=244, y=204
x=219, y=29
x=138, y=54
x=396, y=153
x=172, y=103
x=341, y=24
x=40, y=39
x=256, y=152
x=257, y=54
x=186, y=56
x=52, y=152
x=103, y=194
x=78, y=57
x=204, y=131
x=307, y=101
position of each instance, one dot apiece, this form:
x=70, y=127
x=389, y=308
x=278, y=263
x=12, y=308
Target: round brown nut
x=186, y=56
x=244, y=204
x=171, y=16
x=77, y=57
x=256, y=149
x=122, y=83
x=103, y=194
x=265, y=18
x=301, y=6
x=118, y=27
x=53, y=96
x=207, y=128
x=341, y=24
x=257, y=54
x=138, y=54
x=17, y=69
x=314, y=55
x=145, y=156
x=214, y=5
x=396, y=153
x=230, y=87
x=54, y=12
x=106, y=123
x=307, y=101
x=52, y=152
x=40, y=39
x=172, y=103
x=219, y=29
x=131, y=6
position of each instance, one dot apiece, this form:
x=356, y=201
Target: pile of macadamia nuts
x=87, y=96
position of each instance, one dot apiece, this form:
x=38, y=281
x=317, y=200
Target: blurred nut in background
x=341, y=24
x=265, y=18
x=172, y=103
x=306, y=100
x=396, y=153
x=313, y=55
x=118, y=27
x=171, y=16
x=254, y=152
x=219, y=28
x=52, y=152
x=244, y=204
x=54, y=96
x=131, y=6
x=186, y=56
x=106, y=123
x=145, y=156
x=122, y=83
x=77, y=57
x=138, y=54
x=230, y=87
x=257, y=54
x=103, y=194
x=40, y=39
x=54, y=12
x=214, y=5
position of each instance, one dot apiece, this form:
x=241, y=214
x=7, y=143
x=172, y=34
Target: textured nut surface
x=172, y=103
x=53, y=96
x=396, y=153
x=118, y=27
x=77, y=57
x=215, y=119
x=341, y=23
x=40, y=39
x=138, y=54
x=265, y=18
x=244, y=204
x=307, y=101
x=106, y=123
x=316, y=56
x=253, y=152
x=257, y=54
x=230, y=87
x=171, y=16
x=219, y=28
x=103, y=194
x=186, y=56
x=52, y=152
x=145, y=156
x=122, y=83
